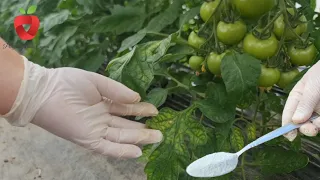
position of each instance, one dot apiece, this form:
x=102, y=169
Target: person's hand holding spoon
x=298, y=113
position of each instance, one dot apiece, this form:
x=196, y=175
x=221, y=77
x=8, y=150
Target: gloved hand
x=84, y=108
x=303, y=100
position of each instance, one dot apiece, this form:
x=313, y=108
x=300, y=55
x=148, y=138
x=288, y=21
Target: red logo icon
x=27, y=19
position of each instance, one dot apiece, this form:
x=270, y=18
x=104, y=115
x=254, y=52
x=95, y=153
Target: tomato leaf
x=60, y=43
x=188, y=15
x=32, y=9
x=273, y=160
x=165, y=18
x=132, y=40
x=176, y=127
x=237, y=139
x=217, y=106
x=121, y=20
x=135, y=69
x=55, y=19
x=91, y=61
x=272, y=102
x=240, y=73
x=157, y=96
x=251, y=130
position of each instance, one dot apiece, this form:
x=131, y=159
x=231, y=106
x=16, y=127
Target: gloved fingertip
x=298, y=117
x=311, y=132
x=137, y=98
x=138, y=154
x=154, y=112
x=159, y=136
x=291, y=135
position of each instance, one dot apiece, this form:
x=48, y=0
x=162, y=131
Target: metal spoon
x=222, y=163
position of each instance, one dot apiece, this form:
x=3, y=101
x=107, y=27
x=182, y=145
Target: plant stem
x=158, y=34
x=217, y=47
x=257, y=107
x=212, y=15
x=241, y=119
x=270, y=23
x=201, y=118
x=286, y=20
x=242, y=166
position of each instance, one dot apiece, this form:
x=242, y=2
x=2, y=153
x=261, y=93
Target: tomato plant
x=223, y=72
x=302, y=56
x=252, y=8
x=287, y=77
x=195, y=62
x=268, y=76
x=214, y=62
x=195, y=40
x=260, y=48
x=280, y=29
x=207, y=9
x=231, y=33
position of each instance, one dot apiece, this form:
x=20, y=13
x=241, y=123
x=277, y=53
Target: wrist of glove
x=84, y=108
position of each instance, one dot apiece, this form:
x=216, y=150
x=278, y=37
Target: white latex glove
x=84, y=108
x=303, y=100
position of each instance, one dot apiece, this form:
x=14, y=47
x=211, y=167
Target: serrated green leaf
x=272, y=102
x=273, y=160
x=251, y=130
x=157, y=96
x=237, y=139
x=135, y=69
x=121, y=20
x=132, y=40
x=165, y=18
x=156, y=6
x=295, y=145
x=92, y=61
x=22, y=11
x=184, y=18
x=55, y=19
x=217, y=106
x=171, y=158
x=60, y=43
x=248, y=99
x=32, y=9
x=240, y=73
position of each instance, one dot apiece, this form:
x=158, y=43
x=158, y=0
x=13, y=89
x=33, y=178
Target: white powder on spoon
x=213, y=165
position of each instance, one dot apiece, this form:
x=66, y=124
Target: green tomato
x=214, y=62
x=279, y=27
x=268, y=76
x=231, y=33
x=195, y=41
x=302, y=57
x=287, y=77
x=195, y=62
x=253, y=8
x=207, y=8
x=260, y=48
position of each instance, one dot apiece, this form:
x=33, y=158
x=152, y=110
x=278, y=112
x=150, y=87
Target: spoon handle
x=274, y=134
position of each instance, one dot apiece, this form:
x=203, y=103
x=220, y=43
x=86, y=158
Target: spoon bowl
x=213, y=165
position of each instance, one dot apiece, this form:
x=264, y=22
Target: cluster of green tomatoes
x=237, y=34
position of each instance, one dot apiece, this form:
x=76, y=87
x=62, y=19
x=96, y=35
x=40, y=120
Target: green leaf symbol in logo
x=22, y=11
x=32, y=9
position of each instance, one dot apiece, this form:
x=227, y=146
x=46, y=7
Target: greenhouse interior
x=159, y=90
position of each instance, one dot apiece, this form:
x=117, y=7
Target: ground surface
x=31, y=153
